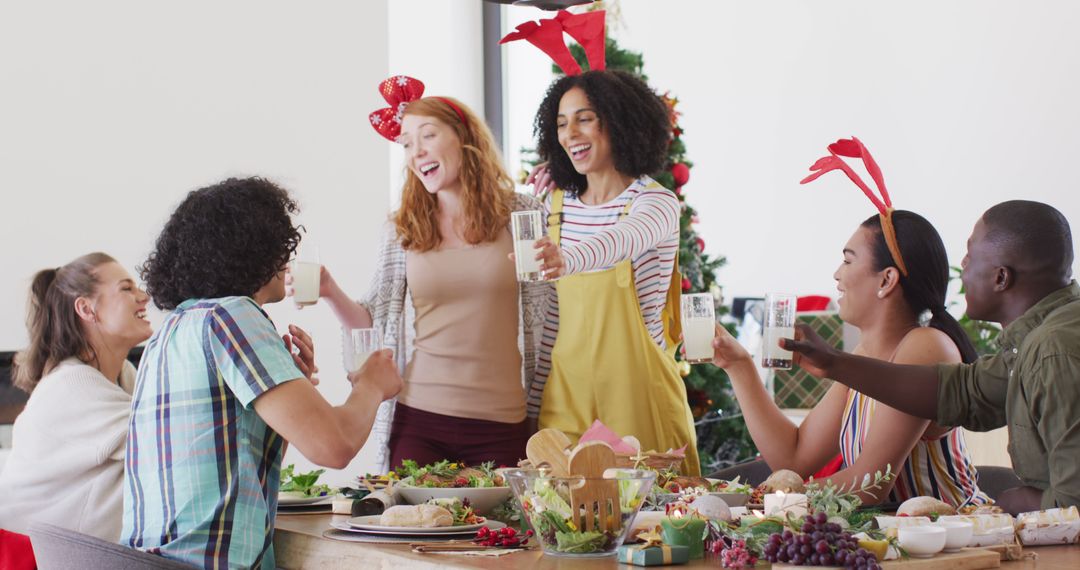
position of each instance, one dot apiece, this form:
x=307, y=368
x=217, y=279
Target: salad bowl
x=483, y=487
x=545, y=502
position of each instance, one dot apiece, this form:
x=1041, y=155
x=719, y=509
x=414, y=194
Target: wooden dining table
x=299, y=543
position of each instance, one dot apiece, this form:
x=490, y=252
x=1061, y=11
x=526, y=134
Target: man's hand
x=379, y=374
x=304, y=357
x=811, y=353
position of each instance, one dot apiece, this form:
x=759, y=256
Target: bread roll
x=433, y=515
x=424, y=516
x=784, y=480
x=401, y=515
x=924, y=507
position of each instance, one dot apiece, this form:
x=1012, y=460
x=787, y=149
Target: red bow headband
x=399, y=91
x=854, y=148
x=587, y=29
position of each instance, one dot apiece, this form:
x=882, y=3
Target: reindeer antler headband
x=586, y=28
x=854, y=148
x=399, y=91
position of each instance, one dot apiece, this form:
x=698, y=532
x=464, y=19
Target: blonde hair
x=487, y=190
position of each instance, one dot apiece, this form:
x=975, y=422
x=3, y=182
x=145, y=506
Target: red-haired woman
x=463, y=329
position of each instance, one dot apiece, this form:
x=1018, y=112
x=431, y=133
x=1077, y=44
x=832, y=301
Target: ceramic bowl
x=922, y=541
x=482, y=499
x=957, y=534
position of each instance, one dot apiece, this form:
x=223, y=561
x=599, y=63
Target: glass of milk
x=699, y=327
x=527, y=227
x=306, y=270
x=779, y=323
x=357, y=346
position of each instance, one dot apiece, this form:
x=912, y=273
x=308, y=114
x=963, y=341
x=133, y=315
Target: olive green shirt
x=1033, y=386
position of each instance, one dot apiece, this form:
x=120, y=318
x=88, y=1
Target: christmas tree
x=723, y=439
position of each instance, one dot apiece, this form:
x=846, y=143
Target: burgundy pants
x=426, y=437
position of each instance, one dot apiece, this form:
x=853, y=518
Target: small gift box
x=653, y=555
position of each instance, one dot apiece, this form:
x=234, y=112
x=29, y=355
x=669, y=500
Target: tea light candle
x=678, y=529
x=780, y=503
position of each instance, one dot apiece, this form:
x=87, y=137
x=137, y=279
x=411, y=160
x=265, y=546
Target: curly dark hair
x=224, y=240
x=635, y=118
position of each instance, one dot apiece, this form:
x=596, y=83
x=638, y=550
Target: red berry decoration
x=505, y=537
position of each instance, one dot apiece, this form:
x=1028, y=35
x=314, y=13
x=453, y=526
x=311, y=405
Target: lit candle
x=679, y=529
x=781, y=503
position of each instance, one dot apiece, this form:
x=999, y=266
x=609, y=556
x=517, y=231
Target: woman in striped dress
x=886, y=306
x=607, y=349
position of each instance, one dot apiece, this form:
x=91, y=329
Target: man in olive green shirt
x=1017, y=272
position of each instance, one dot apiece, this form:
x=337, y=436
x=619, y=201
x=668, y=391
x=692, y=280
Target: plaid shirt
x=202, y=469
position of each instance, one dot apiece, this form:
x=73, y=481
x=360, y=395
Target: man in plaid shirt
x=219, y=392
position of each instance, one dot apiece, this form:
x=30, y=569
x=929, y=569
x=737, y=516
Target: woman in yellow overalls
x=612, y=327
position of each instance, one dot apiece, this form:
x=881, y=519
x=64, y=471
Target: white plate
x=363, y=525
x=289, y=499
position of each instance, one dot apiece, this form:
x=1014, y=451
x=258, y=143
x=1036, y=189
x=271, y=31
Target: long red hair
x=487, y=190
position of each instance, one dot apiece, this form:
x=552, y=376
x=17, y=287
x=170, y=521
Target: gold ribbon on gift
x=653, y=540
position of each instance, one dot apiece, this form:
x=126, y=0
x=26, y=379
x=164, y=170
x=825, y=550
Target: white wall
x=110, y=112
x=964, y=104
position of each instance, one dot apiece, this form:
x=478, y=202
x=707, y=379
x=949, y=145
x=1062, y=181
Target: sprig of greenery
x=842, y=500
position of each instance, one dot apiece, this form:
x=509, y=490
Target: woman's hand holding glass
x=727, y=352
x=551, y=258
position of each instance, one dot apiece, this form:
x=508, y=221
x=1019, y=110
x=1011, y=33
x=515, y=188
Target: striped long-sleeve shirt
x=594, y=238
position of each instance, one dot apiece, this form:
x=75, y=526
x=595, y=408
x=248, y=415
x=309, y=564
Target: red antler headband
x=854, y=148
x=399, y=91
x=587, y=29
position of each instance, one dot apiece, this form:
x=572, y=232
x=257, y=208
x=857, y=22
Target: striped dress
x=593, y=238
x=940, y=468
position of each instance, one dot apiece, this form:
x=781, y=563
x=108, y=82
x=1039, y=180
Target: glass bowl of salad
x=545, y=503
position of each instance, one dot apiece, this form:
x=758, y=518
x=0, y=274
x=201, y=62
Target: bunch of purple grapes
x=821, y=543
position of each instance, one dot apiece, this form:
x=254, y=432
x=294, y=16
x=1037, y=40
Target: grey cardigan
x=390, y=304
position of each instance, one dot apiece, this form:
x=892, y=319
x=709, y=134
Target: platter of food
x=481, y=487
x=299, y=489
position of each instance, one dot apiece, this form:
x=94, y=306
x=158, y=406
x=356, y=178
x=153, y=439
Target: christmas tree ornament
x=681, y=172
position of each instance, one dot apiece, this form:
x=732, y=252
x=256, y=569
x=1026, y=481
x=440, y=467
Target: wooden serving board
x=966, y=559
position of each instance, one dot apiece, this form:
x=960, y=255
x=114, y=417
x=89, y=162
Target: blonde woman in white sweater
x=67, y=462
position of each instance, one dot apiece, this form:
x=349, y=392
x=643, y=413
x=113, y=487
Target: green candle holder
x=684, y=531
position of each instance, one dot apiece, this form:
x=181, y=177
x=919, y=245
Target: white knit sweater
x=66, y=466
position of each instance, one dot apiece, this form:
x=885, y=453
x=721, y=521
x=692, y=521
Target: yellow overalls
x=605, y=365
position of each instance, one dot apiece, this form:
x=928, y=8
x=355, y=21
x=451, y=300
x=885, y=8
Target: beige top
x=67, y=459
x=466, y=361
